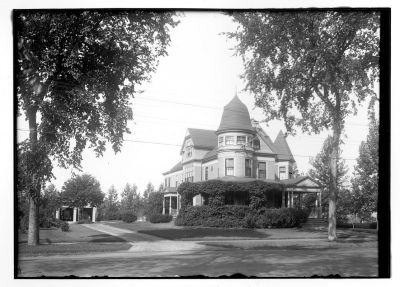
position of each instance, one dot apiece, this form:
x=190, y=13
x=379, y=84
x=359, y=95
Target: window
x=220, y=141
x=241, y=140
x=262, y=170
x=229, y=140
x=282, y=172
x=206, y=173
x=247, y=164
x=165, y=184
x=169, y=181
x=189, y=151
x=229, y=166
x=256, y=143
x=188, y=174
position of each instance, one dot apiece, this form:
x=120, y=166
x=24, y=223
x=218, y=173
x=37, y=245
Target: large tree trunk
x=333, y=190
x=34, y=193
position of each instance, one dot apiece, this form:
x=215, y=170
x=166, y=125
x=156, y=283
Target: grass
x=79, y=239
x=176, y=234
x=77, y=233
x=73, y=248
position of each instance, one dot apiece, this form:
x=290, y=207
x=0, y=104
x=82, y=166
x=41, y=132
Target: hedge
x=255, y=194
x=160, y=218
x=128, y=217
x=368, y=225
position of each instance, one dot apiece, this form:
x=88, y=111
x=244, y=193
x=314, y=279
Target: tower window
x=229, y=166
x=282, y=172
x=229, y=140
x=241, y=140
x=220, y=141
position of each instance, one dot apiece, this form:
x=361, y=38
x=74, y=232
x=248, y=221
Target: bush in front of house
x=366, y=225
x=128, y=217
x=64, y=226
x=160, y=218
x=276, y=218
x=226, y=216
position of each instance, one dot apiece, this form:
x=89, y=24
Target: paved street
x=259, y=257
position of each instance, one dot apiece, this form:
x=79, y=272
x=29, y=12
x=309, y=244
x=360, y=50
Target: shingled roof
x=203, y=139
x=176, y=167
x=235, y=117
x=282, y=148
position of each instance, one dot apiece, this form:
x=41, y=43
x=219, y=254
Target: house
x=239, y=150
x=71, y=214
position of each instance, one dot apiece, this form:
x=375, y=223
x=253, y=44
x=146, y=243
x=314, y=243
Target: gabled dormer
x=197, y=143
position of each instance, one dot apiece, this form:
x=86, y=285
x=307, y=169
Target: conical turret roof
x=282, y=148
x=235, y=117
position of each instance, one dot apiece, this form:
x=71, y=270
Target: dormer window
x=256, y=143
x=229, y=140
x=189, y=151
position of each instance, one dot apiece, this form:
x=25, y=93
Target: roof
x=282, y=148
x=235, y=117
x=203, y=139
x=176, y=167
x=212, y=154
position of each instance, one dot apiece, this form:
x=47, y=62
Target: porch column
x=94, y=209
x=58, y=213
x=170, y=203
x=283, y=199
x=291, y=200
x=163, y=205
x=74, y=214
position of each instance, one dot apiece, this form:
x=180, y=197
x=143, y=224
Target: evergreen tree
x=111, y=204
x=366, y=177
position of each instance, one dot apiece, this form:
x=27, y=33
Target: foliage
x=82, y=190
x=276, y=218
x=160, y=218
x=64, y=226
x=320, y=171
x=311, y=69
x=50, y=201
x=76, y=72
x=366, y=176
x=370, y=225
x=149, y=189
x=111, y=205
x=129, y=216
x=213, y=216
x=154, y=203
x=130, y=199
x=256, y=194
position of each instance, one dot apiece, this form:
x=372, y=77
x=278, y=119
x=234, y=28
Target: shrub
x=213, y=216
x=129, y=217
x=56, y=223
x=240, y=216
x=160, y=218
x=64, y=226
x=370, y=225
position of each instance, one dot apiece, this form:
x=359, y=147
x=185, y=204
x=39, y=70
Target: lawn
x=204, y=232
x=79, y=239
x=76, y=233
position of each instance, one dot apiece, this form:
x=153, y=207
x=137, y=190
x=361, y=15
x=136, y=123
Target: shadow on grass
x=269, y=247
x=105, y=238
x=176, y=234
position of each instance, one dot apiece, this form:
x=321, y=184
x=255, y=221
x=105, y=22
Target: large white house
x=239, y=150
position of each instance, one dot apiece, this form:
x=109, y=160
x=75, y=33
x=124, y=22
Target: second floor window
x=247, y=164
x=229, y=166
x=229, y=140
x=282, y=172
x=241, y=140
x=206, y=173
x=262, y=170
x=220, y=141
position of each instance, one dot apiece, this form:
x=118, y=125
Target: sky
x=191, y=85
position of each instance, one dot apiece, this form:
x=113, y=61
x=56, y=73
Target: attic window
x=256, y=143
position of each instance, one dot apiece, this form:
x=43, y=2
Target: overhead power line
x=179, y=145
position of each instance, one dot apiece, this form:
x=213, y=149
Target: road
x=261, y=258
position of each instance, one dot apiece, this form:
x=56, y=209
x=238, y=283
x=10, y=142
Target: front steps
x=315, y=223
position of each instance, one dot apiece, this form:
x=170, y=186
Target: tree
x=50, y=201
x=154, y=204
x=149, y=189
x=111, y=204
x=130, y=198
x=80, y=191
x=320, y=171
x=311, y=69
x=366, y=176
x=76, y=72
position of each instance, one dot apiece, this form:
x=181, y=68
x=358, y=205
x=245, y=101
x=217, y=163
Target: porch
x=74, y=214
